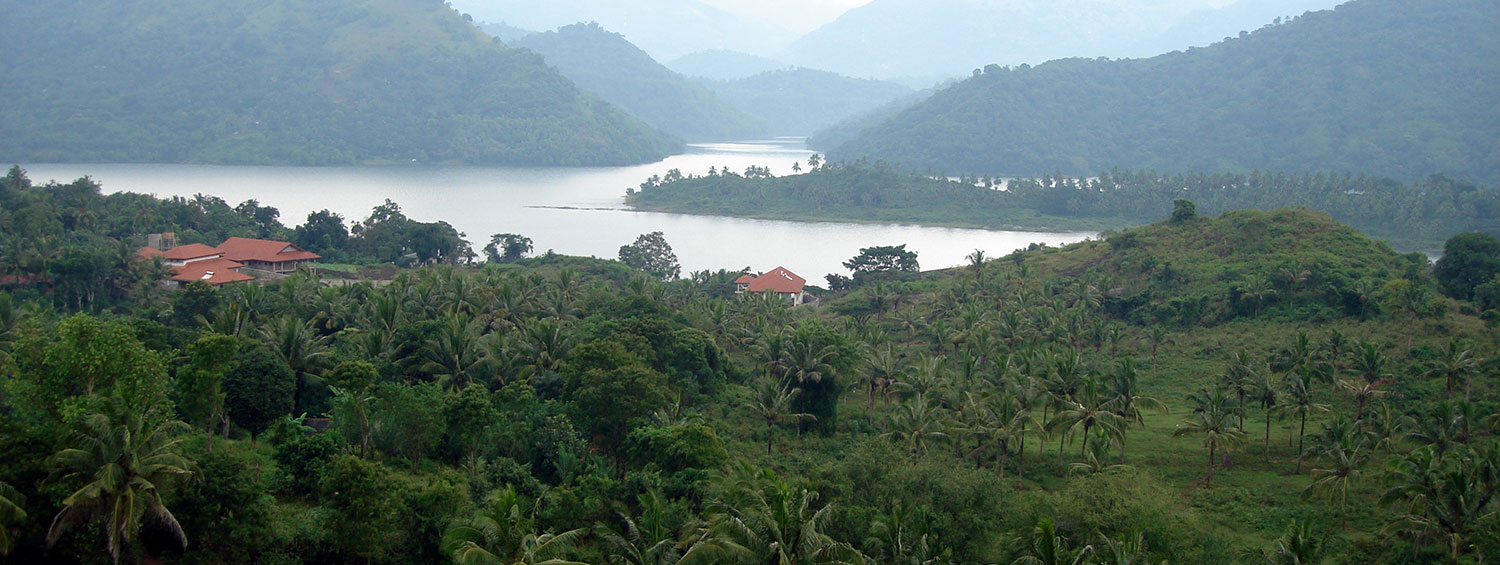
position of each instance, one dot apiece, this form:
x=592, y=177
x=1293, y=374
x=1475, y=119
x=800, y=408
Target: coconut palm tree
x=11, y=513
x=1212, y=415
x=1126, y=400
x=915, y=423
x=503, y=533
x=455, y=354
x=1239, y=379
x=1363, y=393
x=644, y=540
x=1298, y=402
x=1443, y=498
x=1044, y=546
x=1298, y=546
x=1340, y=471
x=1091, y=410
x=1257, y=289
x=1454, y=364
x=1096, y=450
x=1028, y=393
x=806, y=359
x=297, y=344
x=124, y=459
x=546, y=342
x=904, y=536
x=778, y=523
x=883, y=367
x=1157, y=336
x=1266, y=395
x=1440, y=427
x=772, y=404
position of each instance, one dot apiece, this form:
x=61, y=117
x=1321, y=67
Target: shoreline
x=1096, y=225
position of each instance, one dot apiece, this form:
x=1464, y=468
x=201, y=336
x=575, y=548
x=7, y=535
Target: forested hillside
x=800, y=101
x=605, y=63
x=283, y=82
x=1170, y=393
x=1381, y=87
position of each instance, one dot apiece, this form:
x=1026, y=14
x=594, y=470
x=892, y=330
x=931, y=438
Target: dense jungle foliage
x=605, y=63
x=1257, y=387
x=1419, y=215
x=292, y=83
x=1387, y=87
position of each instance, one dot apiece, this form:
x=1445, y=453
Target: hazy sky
x=800, y=16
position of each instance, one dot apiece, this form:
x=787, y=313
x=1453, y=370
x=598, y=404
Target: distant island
x=1415, y=216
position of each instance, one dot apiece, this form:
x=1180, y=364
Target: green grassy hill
x=1291, y=262
x=281, y=82
x=1199, y=390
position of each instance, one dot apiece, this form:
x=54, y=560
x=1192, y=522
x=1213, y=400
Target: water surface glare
x=574, y=211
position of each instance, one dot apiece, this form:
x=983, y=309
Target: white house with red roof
x=778, y=281
x=228, y=262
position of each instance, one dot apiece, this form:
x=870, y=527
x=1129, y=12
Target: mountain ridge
x=606, y=63
x=295, y=83
x=1377, y=86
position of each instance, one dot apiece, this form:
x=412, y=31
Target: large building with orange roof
x=232, y=261
x=779, y=282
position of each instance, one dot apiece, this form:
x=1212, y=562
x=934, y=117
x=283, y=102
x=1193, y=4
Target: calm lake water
x=574, y=211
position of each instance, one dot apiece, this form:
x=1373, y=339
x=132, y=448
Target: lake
x=574, y=211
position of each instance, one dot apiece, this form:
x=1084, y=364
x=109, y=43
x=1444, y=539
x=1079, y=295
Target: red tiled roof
x=148, y=252
x=190, y=251
x=246, y=249
x=213, y=271
x=778, y=280
x=744, y=279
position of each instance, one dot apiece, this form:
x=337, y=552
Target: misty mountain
x=666, y=29
x=291, y=82
x=607, y=64
x=800, y=101
x=723, y=64
x=504, y=31
x=839, y=133
x=1383, y=87
x=891, y=38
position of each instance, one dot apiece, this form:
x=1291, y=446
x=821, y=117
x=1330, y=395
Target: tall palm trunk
x=1021, y=463
x=1000, y=458
x=1268, y=436
x=1301, y=430
x=770, y=435
x=1210, y=482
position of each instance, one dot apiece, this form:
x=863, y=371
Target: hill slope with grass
x=1257, y=386
x=294, y=83
x=607, y=64
x=1195, y=270
x=1382, y=87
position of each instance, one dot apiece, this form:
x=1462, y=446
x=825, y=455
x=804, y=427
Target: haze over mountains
x=894, y=38
x=890, y=39
x=666, y=29
x=1383, y=87
x=605, y=63
x=784, y=101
